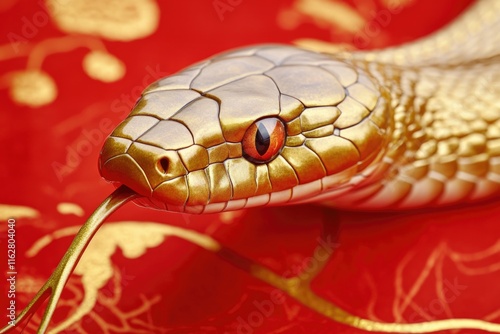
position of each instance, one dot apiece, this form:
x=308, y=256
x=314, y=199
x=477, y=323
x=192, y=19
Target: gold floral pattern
x=103, y=66
x=122, y=20
x=135, y=238
x=33, y=88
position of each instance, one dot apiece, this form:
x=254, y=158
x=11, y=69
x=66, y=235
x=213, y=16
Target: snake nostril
x=163, y=164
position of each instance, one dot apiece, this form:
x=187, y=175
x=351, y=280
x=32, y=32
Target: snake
x=410, y=126
x=407, y=127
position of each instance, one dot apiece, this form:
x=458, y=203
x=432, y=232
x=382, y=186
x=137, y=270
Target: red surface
x=199, y=292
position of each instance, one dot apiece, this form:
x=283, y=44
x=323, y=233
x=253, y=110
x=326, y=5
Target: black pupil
x=262, y=139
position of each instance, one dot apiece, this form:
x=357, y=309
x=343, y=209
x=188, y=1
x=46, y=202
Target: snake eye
x=263, y=140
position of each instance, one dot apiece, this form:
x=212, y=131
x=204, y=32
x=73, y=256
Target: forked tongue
x=56, y=282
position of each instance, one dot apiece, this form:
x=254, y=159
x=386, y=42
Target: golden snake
x=405, y=127
x=412, y=126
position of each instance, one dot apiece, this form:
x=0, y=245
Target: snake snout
x=141, y=167
x=117, y=166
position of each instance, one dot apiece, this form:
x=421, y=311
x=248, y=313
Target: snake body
x=405, y=127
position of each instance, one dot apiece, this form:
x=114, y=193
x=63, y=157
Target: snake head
x=256, y=126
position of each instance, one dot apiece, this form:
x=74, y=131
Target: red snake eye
x=263, y=140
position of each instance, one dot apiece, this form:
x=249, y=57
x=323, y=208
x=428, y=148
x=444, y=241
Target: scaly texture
x=406, y=127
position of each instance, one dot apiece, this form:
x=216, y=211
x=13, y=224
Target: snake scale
x=405, y=127
x=412, y=126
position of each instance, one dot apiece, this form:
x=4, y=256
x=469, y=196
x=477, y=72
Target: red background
x=198, y=291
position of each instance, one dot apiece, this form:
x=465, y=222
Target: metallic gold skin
x=197, y=180
x=290, y=108
x=397, y=128
x=205, y=127
x=241, y=172
x=312, y=118
x=350, y=112
x=345, y=155
x=218, y=153
x=282, y=174
x=316, y=87
x=194, y=157
x=190, y=118
x=323, y=131
x=220, y=185
x=306, y=164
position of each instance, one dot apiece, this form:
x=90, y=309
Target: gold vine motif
x=134, y=238
x=112, y=20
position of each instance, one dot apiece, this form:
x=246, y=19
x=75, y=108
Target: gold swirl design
x=134, y=238
x=70, y=208
x=113, y=20
x=324, y=13
x=18, y=211
x=122, y=20
x=33, y=87
x=103, y=66
x=95, y=267
x=483, y=262
x=342, y=20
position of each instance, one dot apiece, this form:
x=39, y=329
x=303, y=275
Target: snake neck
x=444, y=144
